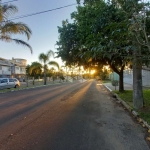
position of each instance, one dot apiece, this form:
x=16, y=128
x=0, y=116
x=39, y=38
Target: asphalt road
x=69, y=116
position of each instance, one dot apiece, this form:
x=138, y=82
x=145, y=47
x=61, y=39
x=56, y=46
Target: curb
x=134, y=113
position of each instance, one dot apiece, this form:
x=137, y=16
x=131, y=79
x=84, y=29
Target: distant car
x=6, y=83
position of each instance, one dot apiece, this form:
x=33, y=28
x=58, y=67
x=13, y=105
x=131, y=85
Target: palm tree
x=54, y=63
x=35, y=68
x=45, y=59
x=8, y=27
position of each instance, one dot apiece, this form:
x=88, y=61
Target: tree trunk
x=137, y=78
x=120, y=73
x=121, y=83
x=44, y=74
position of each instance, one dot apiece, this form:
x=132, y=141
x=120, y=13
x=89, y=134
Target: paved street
x=68, y=116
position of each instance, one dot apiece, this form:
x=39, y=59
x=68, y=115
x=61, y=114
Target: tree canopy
x=112, y=32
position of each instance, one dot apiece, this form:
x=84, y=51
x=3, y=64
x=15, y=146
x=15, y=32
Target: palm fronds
x=54, y=63
x=6, y=11
x=9, y=28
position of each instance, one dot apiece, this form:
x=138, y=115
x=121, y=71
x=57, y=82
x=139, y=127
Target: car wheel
x=16, y=86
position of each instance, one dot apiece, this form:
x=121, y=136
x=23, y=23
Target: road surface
x=68, y=116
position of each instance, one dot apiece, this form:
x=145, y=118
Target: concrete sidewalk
x=112, y=88
x=127, y=86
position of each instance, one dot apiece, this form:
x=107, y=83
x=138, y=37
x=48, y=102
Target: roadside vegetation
x=144, y=112
x=106, y=81
x=37, y=67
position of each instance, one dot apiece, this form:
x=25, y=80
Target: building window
x=0, y=67
x=17, y=68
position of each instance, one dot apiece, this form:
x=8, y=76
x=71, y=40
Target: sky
x=43, y=26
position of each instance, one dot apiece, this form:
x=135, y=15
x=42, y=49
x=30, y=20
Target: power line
x=9, y=1
x=37, y=13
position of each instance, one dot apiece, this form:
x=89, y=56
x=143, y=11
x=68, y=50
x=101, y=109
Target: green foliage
x=104, y=74
x=45, y=57
x=54, y=63
x=67, y=42
x=8, y=28
x=49, y=73
x=98, y=32
x=138, y=14
x=35, y=69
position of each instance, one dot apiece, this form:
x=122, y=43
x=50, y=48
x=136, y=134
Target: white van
x=6, y=83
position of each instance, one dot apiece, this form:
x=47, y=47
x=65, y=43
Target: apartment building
x=16, y=67
x=5, y=68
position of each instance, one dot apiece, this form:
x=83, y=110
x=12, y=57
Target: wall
x=128, y=77
x=146, y=78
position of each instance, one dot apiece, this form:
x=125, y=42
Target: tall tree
x=44, y=58
x=105, y=35
x=98, y=34
x=139, y=16
x=9, y=28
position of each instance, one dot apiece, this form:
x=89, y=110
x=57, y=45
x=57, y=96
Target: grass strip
x=106, y=81
x=127, y=96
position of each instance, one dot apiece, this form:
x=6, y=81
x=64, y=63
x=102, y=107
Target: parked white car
x=6, y=83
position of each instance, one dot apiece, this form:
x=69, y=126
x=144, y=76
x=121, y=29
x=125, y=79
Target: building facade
x=18, y=68
x=15, y=68
x=5, y=68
